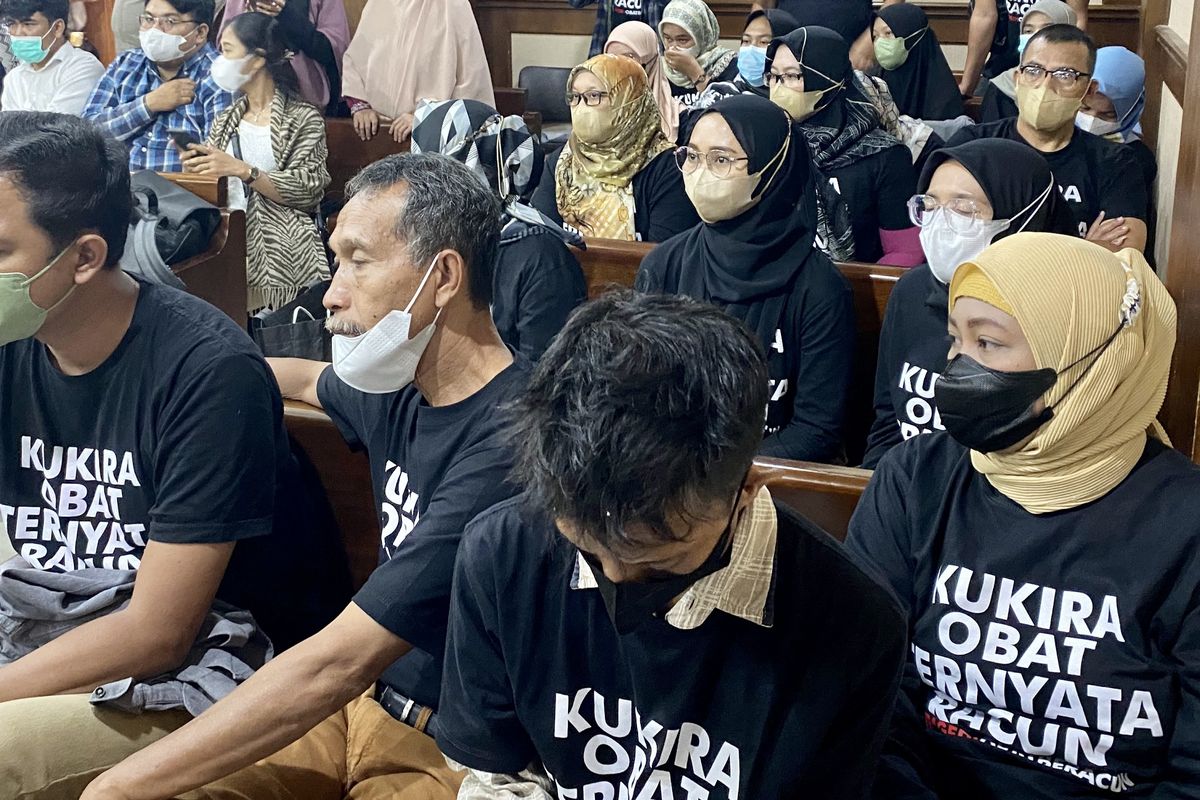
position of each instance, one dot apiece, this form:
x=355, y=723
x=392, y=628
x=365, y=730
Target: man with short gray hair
x=418, y=379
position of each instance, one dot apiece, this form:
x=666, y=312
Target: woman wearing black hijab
x=866, y=174
x=970, y=196
x=914, y=66
x=750, y=178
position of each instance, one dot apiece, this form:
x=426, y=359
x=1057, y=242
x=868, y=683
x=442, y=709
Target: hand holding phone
x=183, y=139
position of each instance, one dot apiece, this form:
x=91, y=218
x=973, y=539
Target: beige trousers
x=359, y=753
x=52, y=747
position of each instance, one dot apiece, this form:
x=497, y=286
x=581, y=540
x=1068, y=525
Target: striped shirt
x=119, y=106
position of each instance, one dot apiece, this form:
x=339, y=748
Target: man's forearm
x=1081, y=12
x=275, y=707
x=297, y=378
x=85, y=658
x=980, y=32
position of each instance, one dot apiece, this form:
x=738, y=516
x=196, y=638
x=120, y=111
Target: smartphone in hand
x=183, y=138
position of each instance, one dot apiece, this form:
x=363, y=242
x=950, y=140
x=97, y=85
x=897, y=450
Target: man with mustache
x=419, y=379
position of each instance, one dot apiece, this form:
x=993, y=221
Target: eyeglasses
x=589, y=98
x=719, y=164
x=792, y=80
x=1062, y=78
x=963, y=210
x=148, y=21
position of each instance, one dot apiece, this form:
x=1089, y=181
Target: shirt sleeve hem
x=208, y=532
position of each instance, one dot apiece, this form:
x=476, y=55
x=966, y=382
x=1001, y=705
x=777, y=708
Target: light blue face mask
x=1022, y=42
x=752, y=64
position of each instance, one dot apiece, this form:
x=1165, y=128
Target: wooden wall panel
x=98, y=30
x=1112, y=23
x=1183, y=269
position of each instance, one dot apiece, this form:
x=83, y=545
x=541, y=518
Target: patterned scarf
x=695, y=17
x=593, y=181
x=835, y=147
x=500, y=150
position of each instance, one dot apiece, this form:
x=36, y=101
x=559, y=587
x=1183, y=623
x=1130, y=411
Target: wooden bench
x=348, y=154
x=611, y=264
x=826, y=495
x=217, y=275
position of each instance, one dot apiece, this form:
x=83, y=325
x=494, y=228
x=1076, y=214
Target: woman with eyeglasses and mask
x=751, y=179
x=1045, y=545
x=914, y=66
x=693, y=56
x=969, y=196
x=271, y=145
x=615, y=178
x=762, y=25
x=1000, y=96
x=1100, y=181
x=865, y=175
x=537, y=281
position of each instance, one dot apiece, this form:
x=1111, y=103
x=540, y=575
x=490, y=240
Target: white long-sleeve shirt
x=63, y=84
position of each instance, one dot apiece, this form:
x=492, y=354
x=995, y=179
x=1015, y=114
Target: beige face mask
x=594, y=124
x=1044, y=110
x=799, y=105
x=718, y=199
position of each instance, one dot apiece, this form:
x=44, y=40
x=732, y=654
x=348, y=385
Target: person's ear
x=449, y=277
x=203, y=27
x=92, y=253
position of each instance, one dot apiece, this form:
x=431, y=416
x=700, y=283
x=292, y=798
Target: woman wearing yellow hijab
x=616, y=176
x=1047, y=547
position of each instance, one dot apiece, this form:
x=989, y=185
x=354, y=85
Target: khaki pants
x=359, y=753
x=52, y=747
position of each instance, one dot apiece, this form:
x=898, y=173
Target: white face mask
x=1100, y=127
x=384, y=359
x=947, y=246
x=161, y=47
x=227, y=72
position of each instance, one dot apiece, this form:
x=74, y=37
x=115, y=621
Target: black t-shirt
x=810, y=357
x=913, y=346
x=661, y=208
x=688, y=96
x=535, y=672
x=848, y=17
x=1053, y=655
x=1093, y=174
x=433, y=468
x=996, y=105
x=177, y=437
x=876, y=190
x=538, y=283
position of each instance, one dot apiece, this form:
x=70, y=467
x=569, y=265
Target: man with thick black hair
x=163, y=86
x=644, y=620
x=52, y=74
x=142, y=434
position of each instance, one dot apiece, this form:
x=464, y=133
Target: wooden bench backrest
x=217, y=275
x=826, y=495
x=348, y=154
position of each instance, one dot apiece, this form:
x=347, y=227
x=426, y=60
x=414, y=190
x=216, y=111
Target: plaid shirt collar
x=743, y=589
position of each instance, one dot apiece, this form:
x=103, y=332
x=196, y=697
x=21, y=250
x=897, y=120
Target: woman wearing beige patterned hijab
x=615, y=132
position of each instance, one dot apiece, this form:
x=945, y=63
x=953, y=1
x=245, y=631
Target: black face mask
x=631, y=605
x=988, y=410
